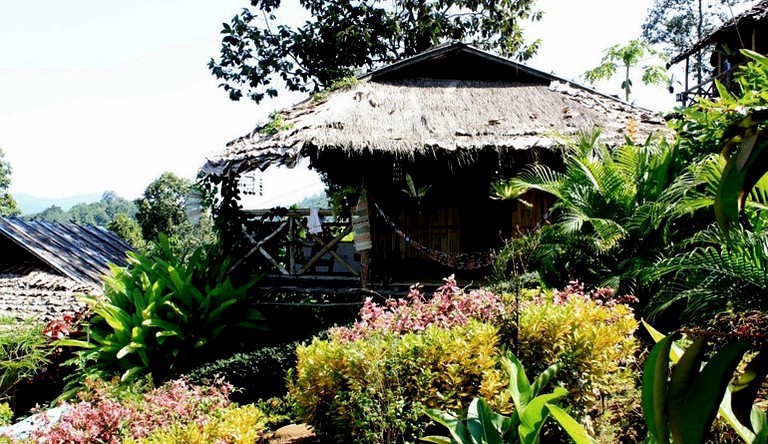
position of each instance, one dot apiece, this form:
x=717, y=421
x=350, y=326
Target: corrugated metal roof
x=78, y=252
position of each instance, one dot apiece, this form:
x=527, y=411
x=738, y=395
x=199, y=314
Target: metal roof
x=78, y=252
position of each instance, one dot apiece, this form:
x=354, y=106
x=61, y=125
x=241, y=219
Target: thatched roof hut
x=453, y=118
x=453, y=98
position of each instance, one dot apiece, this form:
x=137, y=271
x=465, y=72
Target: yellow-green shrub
x=232, y=425
x=376, y=389
x=591, y=338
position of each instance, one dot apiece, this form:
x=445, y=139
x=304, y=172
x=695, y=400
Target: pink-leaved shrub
x=450, y=306
x=107, y=414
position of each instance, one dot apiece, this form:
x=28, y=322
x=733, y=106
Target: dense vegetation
x=670, y=229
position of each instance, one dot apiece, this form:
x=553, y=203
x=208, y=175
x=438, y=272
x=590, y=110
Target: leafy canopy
x=633, y=54
x=675, y=25
x=343, y=37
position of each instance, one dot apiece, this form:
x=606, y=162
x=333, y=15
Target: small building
x=748, y=30
x=44, y=265
x=416, y=146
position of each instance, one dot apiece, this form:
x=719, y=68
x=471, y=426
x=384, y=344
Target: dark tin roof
x=78, y=252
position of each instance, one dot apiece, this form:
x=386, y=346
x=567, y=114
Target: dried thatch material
x=411, y=117
x=40, y=295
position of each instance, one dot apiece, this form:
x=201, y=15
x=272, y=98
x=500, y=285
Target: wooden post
x=291, y=244
x=362, y=229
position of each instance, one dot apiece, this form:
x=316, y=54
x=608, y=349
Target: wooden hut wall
x=456, y=215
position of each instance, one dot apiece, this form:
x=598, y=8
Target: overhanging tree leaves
x=344, y=37
x=675, y=25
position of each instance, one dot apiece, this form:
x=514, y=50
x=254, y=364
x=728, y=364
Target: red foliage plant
x=448, y=307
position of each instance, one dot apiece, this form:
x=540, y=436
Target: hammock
x=460, y=261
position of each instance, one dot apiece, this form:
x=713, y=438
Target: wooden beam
x=325, y=249
x=257, y=246
x=333, y=253
x=274, y=262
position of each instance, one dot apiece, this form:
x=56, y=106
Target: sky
x=100, y=95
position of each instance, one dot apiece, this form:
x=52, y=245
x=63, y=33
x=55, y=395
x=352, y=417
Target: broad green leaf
x=74, y=343
x=165, y=325
x=519, y=387
x=745, y=389
x=654, y=390
x=480, y=423
x=683, y=375
x=455, y=427
x=130, y=374
x=543, y=379
x=707, y=391
x=535, y=413
x=573, y=428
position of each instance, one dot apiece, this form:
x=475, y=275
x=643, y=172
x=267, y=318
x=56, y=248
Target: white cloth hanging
x=315, y=224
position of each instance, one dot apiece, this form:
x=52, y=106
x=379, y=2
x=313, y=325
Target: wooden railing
x=300, y=250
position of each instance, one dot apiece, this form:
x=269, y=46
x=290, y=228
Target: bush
x=24, y=352
x=592, y=334
x=110, y=414
x=377, y=389
x=373, y=381
x=161, y=316
x=255, y=375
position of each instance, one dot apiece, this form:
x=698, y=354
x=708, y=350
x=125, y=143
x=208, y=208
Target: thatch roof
x=29, y=292
x=758, y=13
x=453, y=99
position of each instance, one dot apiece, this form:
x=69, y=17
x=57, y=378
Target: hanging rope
x=460, y=261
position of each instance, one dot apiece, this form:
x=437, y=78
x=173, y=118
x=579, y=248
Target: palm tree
x=616, y=210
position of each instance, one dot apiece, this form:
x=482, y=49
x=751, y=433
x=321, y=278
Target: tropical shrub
x=377, y=389
x=683, y=402
x=258, y=374
x=24, y=352
x=448, y=307
x=615, y=210
x=590, y=332
x=485, y=426
x=160, y=316
x=174, y=412
x=373, y=381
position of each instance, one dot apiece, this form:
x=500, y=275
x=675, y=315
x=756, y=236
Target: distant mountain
x=32, y=204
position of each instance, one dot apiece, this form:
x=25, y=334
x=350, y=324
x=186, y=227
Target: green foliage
x=6, y=414
x=684, y=402
x=275, y=125
x=160, y=316
x=615, y=210
x=593, y=340
x=128, y=230
x=100, y=213
x=378, y=389
x=161, y=210
x=524, y=426
x=677, y=25
x=258, y=374
x=54, y=213
x=8, y=206
x=232, y=425
x=744, y=141
x=343, y=38
x=627, y=57
x=24, y=352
